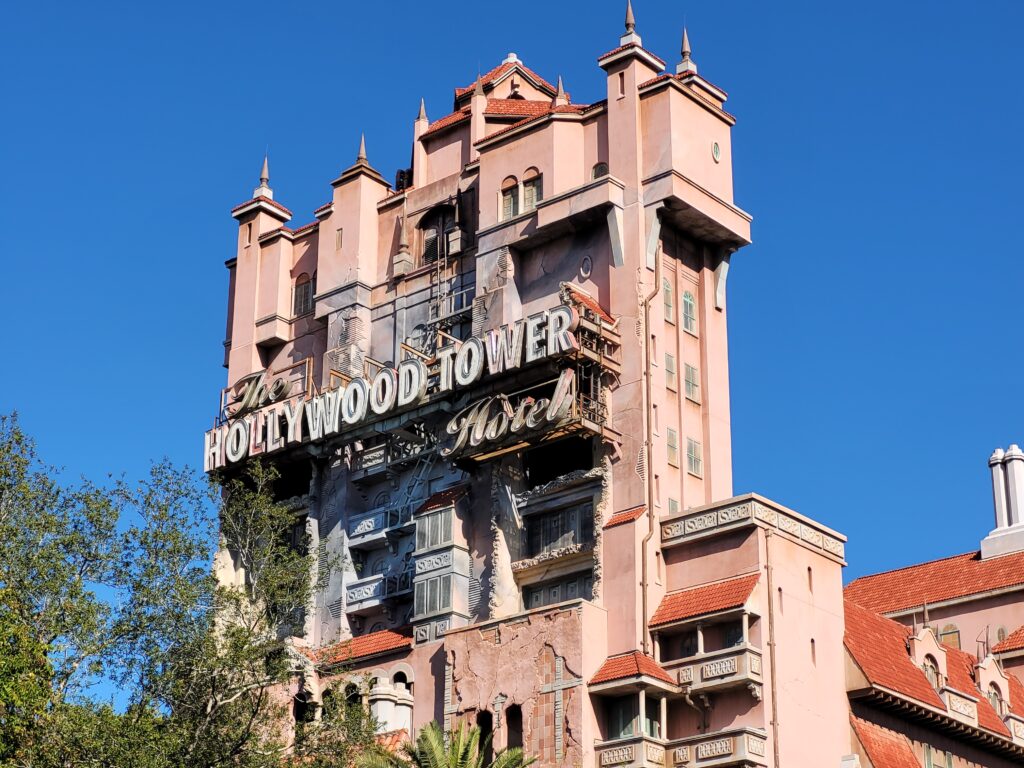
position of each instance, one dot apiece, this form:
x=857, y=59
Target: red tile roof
x=589, y=302
x=879, y=647
x=501, y=70
x=447, y=121
x=1013, y=642
x=573, y=109
x=621, y=48
x=626, y=516
x=884, y=748
x=366, y=645
x=392, y=740
x=960, y=677
x=323, y=207
x=262, y=199
x=632, y=664
x=514, y=107
x=304, y=227
x=444, y=498
x=1016, y=694
x=935, y=581
x=710, y=598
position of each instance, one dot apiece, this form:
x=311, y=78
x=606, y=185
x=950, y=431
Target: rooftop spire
x=687, y=64
x=423, y=110
x=361, y=157
x=630, y=35
x=479, y=89
x=264, y=190
x=560, y=97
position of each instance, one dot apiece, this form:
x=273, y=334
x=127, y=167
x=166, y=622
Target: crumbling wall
x=534, y=662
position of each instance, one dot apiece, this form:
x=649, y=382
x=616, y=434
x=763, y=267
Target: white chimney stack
x=1008, y=498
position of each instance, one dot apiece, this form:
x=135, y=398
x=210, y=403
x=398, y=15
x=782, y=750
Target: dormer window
x=305, y=288
x=532, y=191
x=995, y=698
x=509, y=198
x=931, y=671
x=599, y=170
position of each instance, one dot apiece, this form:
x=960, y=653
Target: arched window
x=305, y=288
x=689, y=313
x=599, y=170
x=1000, y=634
x=352, y=695
x=532, y=190
x=509, y=198
x=950, y=636
x=931, y=671
x=995, y=698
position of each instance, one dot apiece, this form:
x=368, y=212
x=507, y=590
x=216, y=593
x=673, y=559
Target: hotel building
x=497, y=391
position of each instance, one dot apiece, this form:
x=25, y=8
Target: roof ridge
x=914, y=565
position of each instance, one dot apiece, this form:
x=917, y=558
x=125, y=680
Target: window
x=514, y=726
x=337, y=239
x=599, y=170
x=672, y=441
x=691, y=383
x=950, y=635
x=732, y=634
x=577, y=586
x=305, y=287
x=1000, y=634
x=673, y=507
x=679, y=646
x=298, y=539
x=694, y=458
x=248, y=233
x=621, y=716
x=995, y=698
x=622, y=84
x=550, y=531
x=435, y=227
x=689, y=313
x=936, y=758
x=669, y=295
x=433, y=595
x=532, y=192
x=670, y=371
x=931, y=671
x=509, y=198
x=434, y=530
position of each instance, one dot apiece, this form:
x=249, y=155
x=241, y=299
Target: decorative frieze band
x=719, y=668
x=617, y=755
x=654, y=754
x=755, y=745
x=963, y=706
x=716, y=748
x=433, y=562
x=751, y=511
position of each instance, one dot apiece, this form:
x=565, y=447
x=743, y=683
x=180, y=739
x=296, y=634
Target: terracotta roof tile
x=960, y=668
x=625, y=516
x=589, y=302
x=262, y=199
x=561, y=109
x=501, y=70
x=1013, y=642
x=366, y=645
x=514, y=107
x=323, y=207
x=632, y=664
x=392, y=740
x=621, y=48
x=885, y=748
x=935, y=581
x=444, y=498
x=447, y=121
x=879, y=646
x=304, y=227
x=677, y=606
x=1016, y=694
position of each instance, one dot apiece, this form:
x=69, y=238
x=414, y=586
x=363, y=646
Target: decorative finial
x=687, y=64
x=361, y=157
x=630, y=20
x=423, y=110
x=560, y=97
x=264, y=190
x=479, y=89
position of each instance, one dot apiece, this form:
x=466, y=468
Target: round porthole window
x=716, y=152
x=586, y=267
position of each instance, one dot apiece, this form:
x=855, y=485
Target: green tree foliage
x=112, y=584
x=462, y=748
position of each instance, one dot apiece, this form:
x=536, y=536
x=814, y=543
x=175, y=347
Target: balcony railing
x=370, y=593
x=373, y=530
x=390, y=453
x=452, y=303
x=729, y=668
x=734, y=747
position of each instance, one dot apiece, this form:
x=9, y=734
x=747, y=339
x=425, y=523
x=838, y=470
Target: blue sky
x=875, y=323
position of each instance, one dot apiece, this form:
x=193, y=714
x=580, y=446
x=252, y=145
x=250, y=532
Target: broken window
x=551, y=531
x=546, y=462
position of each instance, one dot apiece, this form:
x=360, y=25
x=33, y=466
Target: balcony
x=631, y=752
x=727, y=669
x=389, y=453
x=380, y=527
x=739, y=746
x=369, y=594
x=735, y=747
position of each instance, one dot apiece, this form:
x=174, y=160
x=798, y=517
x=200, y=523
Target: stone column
x=995, y=462
x=1013, y=462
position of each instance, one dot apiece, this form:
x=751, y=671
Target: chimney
x=1008, y=500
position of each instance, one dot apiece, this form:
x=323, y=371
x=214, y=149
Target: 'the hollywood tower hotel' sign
x=499, y=389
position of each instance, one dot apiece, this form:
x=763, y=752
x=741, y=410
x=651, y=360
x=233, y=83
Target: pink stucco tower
x=499, y=388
